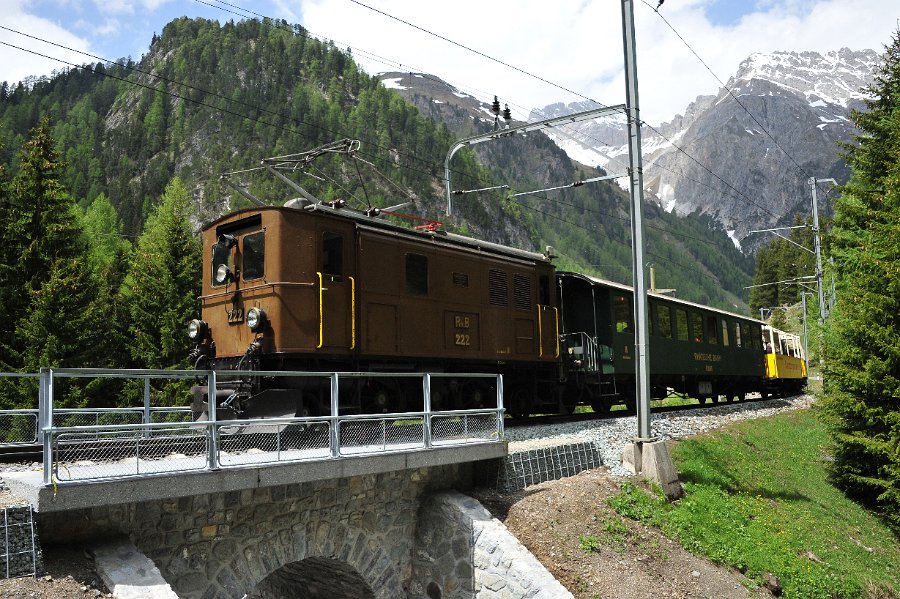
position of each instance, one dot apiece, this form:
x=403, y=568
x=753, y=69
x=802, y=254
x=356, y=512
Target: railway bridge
x=337, y=506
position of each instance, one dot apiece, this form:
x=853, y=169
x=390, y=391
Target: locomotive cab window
x=623, y=314
x=332, y=254
x=416, y=274
x=254, y=256
x=221, y=256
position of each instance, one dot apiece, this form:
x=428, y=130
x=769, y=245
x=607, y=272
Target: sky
x=530, y=53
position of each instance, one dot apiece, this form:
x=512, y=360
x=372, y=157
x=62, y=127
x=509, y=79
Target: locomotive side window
x=254, y=255
x=521, y=292
x=416, y=274
x=664, y=321
x=624, y=317
x=332, y=254
x=682, y=324
x=737, y=334
x=697, y=327
x=725, y=333
x=498, y=288
x=712, y=331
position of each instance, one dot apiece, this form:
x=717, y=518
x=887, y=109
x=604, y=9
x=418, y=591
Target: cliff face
x=743, y=157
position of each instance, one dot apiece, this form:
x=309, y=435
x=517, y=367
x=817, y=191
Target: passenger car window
x=682, y=324
x=737, y=334
x=697, y=327
x=664, y=320
x=712, y=331
x=725, y=333
x=254, y=254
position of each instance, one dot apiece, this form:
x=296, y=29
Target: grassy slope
x=758, y=498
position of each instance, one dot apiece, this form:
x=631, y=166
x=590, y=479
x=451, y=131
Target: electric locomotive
x=321, y=287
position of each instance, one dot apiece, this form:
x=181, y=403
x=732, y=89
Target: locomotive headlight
x=256, y=319
x=224, y=274
x=197, y=329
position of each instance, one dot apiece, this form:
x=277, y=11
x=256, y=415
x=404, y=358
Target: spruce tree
x=163, y=283
x=862, y=376
x=52, y=318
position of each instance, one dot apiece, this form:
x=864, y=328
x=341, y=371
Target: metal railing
x=93, y=444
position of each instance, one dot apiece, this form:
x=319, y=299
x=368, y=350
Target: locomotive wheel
x=600, y=405
x=477, y=396
x=520, y=403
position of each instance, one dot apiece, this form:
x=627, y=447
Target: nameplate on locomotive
x=461, y=330
x=235, y=314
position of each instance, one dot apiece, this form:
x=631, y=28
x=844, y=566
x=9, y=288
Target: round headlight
x=196, y=329
x=223, y=274
x=256, y=319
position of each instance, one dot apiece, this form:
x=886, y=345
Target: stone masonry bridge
x=388, y=526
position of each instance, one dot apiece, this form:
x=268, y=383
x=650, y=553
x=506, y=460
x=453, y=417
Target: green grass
x=758, y=499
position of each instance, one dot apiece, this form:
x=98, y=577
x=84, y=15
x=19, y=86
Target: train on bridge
x=320, y=287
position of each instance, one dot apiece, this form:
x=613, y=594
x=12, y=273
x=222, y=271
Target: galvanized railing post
x=500, y=432
x=335, y=427
x=212, y=426
x=426, y=394
x=146, y=416
x=45, y=409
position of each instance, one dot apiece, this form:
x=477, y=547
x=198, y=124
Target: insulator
x=506, y=113
x=495, y=107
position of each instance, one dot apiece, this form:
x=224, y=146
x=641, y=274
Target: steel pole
x=818, y=248
x=632, y=109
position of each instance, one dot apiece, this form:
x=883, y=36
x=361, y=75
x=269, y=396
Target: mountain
x=743, y=156
x=212, y=97
x=588, y=225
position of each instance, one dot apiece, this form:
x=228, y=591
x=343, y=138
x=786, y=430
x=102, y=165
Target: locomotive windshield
x=221, y=256
x=254, y=246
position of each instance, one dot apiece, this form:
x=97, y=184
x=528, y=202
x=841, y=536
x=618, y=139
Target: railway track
x=26, y=455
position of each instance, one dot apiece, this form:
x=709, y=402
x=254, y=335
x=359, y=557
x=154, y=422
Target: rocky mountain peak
x=744, y=155
x=834, y=77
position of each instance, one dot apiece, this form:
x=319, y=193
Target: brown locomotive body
x=331, y=289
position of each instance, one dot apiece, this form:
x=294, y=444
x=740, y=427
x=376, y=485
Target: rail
x=100, y=444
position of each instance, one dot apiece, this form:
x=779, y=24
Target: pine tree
x=163, y=283
x=862, y=394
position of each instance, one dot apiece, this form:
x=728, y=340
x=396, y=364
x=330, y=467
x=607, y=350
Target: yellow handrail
x=352, y=312
x=540, y=334
x=321, y=313
x=556, y=318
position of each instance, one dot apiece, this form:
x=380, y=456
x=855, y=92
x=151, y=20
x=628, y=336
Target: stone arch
x=313, y=578
x=308, y=555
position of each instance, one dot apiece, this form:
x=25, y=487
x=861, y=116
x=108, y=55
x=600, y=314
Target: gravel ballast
x=611, y=435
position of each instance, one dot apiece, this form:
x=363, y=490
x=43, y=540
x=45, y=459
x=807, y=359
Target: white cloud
x=578, y=45
x=19, y=64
